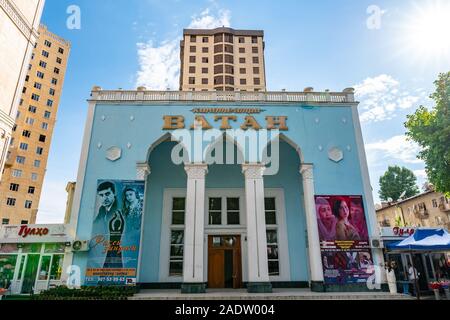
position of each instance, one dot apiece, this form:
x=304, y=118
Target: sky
x=381, y=48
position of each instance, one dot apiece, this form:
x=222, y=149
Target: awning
x=424, y=240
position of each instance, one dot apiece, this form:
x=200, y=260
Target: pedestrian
x=390, y=275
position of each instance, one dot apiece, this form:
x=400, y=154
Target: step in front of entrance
x=277, y=294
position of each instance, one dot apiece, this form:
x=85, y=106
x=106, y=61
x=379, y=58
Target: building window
x=27, y=78
x=31, y=190
x=241, y=40
x=39, y=150
x=32, y=56
x=204, y=80
x=37, y=85
x=47, y=43
x=229, y=80
x=15, y=126
x=205, y=39
x=218, y=69
x=42, y=138
x=233, y=211
x=51, y=92
x=45, y=53
x=205, y=60
x=35, y=97
x=37, y=163
x=229, y=69
x=192, y=59
x=218, y=38
x=50, y=102
x=177, y=237
x=47, y=114
x=14, y=187
x=215, y=211
x=254, y=39
x=26, y=133
x=5, y=221
x=191, y=69
x=435, y=204
x=34, y=176
x=54, y=81
x=229, y=59
x=243, y=82
x=255, y=60
x=56, y=70
x=17, y=173
x=204, y=70
x=23, y=146
x=228, y=48
x=11, y=202
x=218, y=48
x=44, y=125
x=40, y=75
x=257, y=81
x=28, y=204
x=192, y=49
x=24, y=89
x=256, y=70
x=205, y=49
x=272, y=237
x=29, y=67
x=43, y=64
x=218, y=80
x=254, y=49
x=24, y=222
x=191, y=80
x=193, y=38
x=20, y=159
x=242, y=71
x=241, y=50
x=29, y=121
x=58, y=60
x=61, y=50
x=20, y=103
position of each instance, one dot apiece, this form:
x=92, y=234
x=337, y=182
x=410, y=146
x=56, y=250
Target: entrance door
x=31, y=269
x=224, y=262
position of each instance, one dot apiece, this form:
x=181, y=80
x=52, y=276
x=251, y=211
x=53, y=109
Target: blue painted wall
x=139, y=126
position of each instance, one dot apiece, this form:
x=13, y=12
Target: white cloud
x=396, y=148
x=420, y=174
x=382, y=96
x=159, y=64
x=207, y=21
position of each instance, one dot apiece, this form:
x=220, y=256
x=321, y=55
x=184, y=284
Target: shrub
x=87, y=293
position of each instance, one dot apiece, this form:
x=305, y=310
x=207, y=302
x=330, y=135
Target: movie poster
x=344, y=240
x=116, y=231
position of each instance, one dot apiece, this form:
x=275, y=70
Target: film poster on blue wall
x=344, y=239
x=116, y=230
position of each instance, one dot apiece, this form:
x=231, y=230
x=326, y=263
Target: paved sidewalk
x=278, y=294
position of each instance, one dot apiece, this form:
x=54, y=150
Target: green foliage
x=397, y=180
x=87, y=293
x=431, y=130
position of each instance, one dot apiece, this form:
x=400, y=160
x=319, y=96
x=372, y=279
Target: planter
x=437, y=294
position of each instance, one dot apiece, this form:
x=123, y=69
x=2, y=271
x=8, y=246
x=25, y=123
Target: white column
x=258, y=269
x=143, y=172
x=315, y=259
x=194, y=229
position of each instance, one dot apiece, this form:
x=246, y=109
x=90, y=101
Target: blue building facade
x=213, y=225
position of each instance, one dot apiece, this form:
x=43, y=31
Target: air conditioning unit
x=80, y=245
x=376, y=243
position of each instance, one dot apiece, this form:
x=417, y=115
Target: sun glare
x=427, y=31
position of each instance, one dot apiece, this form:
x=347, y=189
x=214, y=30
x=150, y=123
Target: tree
x=397, y=181
x=431, y=130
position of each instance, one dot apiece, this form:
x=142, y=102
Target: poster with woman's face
x=346, y=256
x=114, y=246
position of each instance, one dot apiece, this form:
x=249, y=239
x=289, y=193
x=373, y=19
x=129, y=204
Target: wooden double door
x=224, y=262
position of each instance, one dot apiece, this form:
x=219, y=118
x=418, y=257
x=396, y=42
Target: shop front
x=32, y=257
x=431, y=266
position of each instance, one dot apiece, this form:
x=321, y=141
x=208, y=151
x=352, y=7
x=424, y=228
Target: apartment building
x=26, y=161
x=222, y=59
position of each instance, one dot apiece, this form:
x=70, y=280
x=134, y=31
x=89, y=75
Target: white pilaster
x=315, y=259
x=143, y=171
x=194, y=223
x=258, y=269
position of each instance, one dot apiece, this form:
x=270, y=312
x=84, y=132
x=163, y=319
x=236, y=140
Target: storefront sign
x=25, y=231
x=402, y=232
x=344, y=240
x=34, y=233
x=114, y=247
x=249, y=122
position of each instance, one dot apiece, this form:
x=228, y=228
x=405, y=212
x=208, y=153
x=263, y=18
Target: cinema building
x=155, y=206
